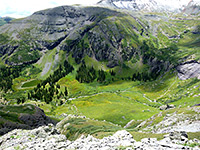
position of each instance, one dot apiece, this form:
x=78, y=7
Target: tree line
x=89, y=74
x=7, y=74
x=145, y=76
x=48, y=90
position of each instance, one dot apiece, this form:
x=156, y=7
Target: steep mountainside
x=100, y=33
x=23, y=39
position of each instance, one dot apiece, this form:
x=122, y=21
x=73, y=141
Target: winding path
x=117, y=92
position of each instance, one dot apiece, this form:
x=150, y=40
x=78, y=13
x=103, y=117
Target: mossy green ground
x=31, y=83
x=113, y=108
x=118, y=101
x=122, y=101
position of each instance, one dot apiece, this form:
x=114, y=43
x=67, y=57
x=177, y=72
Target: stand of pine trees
x=21, y=100
x=48, y=93
x=86, y=75
x=101, y=76
x=145, y=76
x=7, y=74
x=89, y=74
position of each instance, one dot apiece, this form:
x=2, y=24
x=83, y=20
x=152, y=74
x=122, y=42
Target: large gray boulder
x=37, y=119
x=25, y=120
x=189, y=70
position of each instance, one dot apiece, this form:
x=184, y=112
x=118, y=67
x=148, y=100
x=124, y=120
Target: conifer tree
x=23, y=100
x=101, y=76
x=66, y=92
x=18, y=101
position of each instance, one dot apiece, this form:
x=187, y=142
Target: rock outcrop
x=25, y=121
x=165, y=107
x=37, y=119
x=189, y=70
x=47, y=137
x=177, y=122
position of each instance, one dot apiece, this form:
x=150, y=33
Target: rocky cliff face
x=189, y=70
x=23, y=120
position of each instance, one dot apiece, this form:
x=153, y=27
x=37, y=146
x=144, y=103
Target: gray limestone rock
x=189, y=70
x=32, y=139
x=27, y=121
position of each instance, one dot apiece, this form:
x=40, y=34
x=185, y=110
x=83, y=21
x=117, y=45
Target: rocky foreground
x=48, y=138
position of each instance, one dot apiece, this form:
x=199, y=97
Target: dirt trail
x=167, y=89
x=117, y=92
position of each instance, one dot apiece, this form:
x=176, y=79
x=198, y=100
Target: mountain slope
x=45, y=30
x=100, y=33
x=128, y=42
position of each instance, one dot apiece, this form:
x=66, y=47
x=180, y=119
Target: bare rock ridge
x=48, y=137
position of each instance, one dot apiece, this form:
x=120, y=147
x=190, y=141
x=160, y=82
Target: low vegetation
x=31, y=83
x=74, y=127
x=7, y=74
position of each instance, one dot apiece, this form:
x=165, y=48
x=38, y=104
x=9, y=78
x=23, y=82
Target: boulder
x=178, y=136
x=37, y=119
x=165, y=107
x=26, y=121
x=189, y=70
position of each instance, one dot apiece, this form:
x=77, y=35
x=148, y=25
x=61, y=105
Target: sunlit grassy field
x=122, y=101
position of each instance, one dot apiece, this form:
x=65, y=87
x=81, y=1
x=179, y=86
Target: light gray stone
x=43, y=139
x=189, y=70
